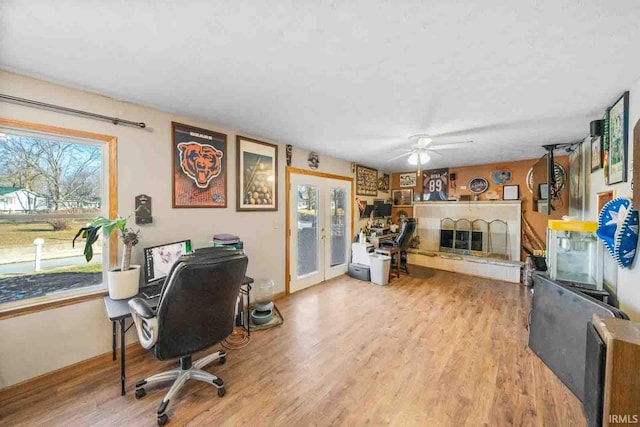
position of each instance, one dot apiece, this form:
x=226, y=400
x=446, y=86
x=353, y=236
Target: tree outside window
x=50, y=186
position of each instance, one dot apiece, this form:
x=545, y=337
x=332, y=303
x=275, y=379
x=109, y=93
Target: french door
x=320, y=229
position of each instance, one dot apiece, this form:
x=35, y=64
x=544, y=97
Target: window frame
x=31, y=305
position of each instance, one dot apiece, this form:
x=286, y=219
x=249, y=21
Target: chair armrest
x=146, y=322
x=387, y=243
x=141, y=308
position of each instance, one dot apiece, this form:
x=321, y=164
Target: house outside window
x=51, y=185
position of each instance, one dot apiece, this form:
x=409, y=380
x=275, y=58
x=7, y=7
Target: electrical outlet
x=463, y=187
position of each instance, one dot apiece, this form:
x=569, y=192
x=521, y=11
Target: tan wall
x=519, y=171
x=31, y=345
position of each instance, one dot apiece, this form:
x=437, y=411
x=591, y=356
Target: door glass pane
x=338, y=226
x=308, y=199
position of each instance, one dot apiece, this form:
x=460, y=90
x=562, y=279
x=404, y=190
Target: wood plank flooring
x=431, y=349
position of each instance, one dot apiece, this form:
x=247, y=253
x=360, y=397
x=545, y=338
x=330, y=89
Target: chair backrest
x=198, y=301
x=407, y=227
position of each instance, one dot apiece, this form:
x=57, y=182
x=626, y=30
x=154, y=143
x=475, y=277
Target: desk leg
x=122, y=371
x=248, y=313
x=113, y=343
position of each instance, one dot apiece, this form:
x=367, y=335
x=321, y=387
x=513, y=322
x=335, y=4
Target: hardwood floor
x=433, y=349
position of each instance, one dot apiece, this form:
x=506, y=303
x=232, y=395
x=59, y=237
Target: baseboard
x=13, y=389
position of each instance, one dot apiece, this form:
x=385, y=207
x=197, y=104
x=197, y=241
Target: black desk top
x=119, y=309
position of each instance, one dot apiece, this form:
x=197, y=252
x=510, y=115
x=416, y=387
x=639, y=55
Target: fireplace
x=474, y=237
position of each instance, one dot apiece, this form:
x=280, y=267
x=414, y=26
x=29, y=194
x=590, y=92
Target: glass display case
x=574, y=253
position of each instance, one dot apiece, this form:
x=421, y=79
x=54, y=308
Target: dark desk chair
x=196, y=310
x=402, y=241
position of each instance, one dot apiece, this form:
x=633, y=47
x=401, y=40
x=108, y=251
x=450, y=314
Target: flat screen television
x=159, y=259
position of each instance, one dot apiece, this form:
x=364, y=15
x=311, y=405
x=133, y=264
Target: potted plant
x=122, y=282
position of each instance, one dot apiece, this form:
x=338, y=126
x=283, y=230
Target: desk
x=118, y=312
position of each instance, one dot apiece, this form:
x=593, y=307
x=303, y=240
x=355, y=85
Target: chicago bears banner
x=199, y=167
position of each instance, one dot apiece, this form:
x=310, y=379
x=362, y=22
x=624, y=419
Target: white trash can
x=380, y=265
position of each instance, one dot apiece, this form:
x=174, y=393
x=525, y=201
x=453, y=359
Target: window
x=53, y=181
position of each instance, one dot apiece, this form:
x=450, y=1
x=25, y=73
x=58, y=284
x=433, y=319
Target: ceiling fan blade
x=449, y=145
x=399, y=156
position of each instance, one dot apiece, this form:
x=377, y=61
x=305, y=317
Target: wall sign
x=501, y=176
x=478, y=186
x=143, y=209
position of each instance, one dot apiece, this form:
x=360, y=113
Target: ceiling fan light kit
x=413, y=158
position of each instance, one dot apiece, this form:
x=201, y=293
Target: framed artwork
x=257, y=175
x=435, y=184
x=543, y=191
x=402, y=197
x=618, y=140
x=366, y=181
x=383, y=183
x=635, y=183
x=605, y=149
x=604, y=197
x=596, y=153
x=408, y=179
x=511, y=192
x=199, y=159
x=576, y=179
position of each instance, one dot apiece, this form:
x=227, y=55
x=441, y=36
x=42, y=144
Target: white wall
x=34, y=344
x=299, y=159
x=628, y=279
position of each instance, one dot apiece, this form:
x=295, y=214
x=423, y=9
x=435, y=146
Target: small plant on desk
x=123, y=282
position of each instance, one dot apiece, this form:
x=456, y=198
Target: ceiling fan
x=420, y=152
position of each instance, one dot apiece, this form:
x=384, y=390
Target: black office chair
x=196, y=310
x=402, y=241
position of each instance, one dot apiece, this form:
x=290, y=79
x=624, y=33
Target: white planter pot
x=124, y=284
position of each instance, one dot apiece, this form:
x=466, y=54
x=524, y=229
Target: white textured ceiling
x=350, y=79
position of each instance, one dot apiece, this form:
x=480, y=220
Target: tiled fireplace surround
x=430, y=216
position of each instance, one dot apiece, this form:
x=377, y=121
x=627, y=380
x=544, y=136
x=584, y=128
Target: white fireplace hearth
x=481, y=238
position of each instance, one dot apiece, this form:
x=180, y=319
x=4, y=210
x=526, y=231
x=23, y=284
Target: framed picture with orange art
x=199, y=167
x=604, y=197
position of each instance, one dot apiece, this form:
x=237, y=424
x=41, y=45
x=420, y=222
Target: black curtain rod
x=114, y=120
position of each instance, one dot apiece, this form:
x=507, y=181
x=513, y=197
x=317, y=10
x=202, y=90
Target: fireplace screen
x=477, y=237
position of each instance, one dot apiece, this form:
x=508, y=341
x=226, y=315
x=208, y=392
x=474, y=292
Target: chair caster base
x=162, y=419
x=222, y=391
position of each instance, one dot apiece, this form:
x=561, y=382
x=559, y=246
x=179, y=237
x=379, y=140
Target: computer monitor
x=383, y=210
x=367, y=211
x=159, y=259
